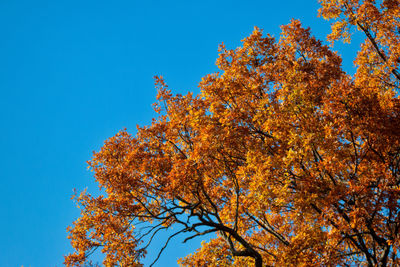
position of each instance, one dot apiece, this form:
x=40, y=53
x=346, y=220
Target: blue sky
x=73, y=73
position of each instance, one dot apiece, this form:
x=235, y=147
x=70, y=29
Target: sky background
x=74, y=73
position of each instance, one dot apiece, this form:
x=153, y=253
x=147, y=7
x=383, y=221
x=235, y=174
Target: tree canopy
x=283, y=156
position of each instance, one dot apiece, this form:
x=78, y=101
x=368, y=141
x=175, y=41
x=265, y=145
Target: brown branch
x=376, y=47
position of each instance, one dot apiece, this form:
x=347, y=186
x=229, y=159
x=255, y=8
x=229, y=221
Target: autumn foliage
x=282, y=158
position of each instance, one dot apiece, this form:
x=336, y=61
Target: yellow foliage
x=289, y=160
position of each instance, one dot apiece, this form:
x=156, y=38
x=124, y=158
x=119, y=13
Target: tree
x=287, y=159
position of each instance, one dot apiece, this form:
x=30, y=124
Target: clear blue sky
x=75, y=72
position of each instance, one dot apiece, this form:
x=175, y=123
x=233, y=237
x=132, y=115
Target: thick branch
x=376, y=47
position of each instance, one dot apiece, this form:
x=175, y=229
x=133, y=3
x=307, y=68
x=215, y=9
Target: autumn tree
x=283, y=156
